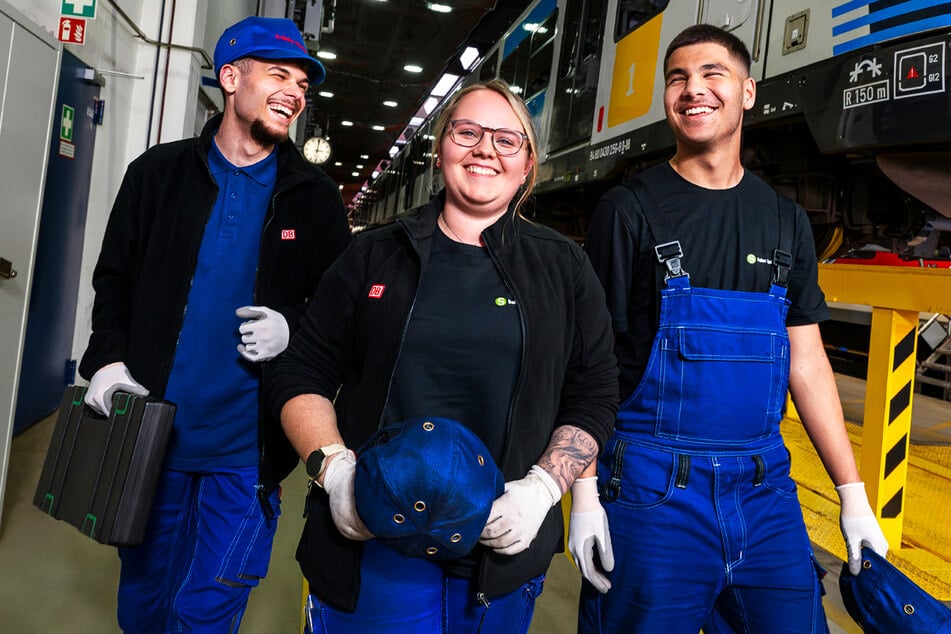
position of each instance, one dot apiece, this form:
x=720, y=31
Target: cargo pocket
x=246, y=561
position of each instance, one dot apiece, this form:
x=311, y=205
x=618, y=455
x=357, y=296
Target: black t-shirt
x=460, y=355
x=728, y=237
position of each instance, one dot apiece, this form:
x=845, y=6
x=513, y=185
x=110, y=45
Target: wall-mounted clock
x=317, y=150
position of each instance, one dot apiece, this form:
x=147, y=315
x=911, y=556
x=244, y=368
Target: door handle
x=6, y=269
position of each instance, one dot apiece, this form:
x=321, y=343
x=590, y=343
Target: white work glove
x=587, y=531
x=264, y=336
x=518, y=513
x=338, y=483
x=859, y=524
x=108, y=380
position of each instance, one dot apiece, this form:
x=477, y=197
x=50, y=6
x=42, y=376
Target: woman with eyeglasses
x=463, y=310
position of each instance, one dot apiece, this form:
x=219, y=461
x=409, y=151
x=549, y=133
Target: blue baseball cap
x=883, y=600
x=266, y=38
x=425, y=487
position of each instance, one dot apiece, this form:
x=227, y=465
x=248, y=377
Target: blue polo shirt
x=216, y=423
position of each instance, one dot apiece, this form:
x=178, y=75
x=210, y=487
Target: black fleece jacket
x=350, y=339
x=150, y=249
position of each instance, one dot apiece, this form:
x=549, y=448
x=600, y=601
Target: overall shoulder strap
x=782, y=256
x=668, y=250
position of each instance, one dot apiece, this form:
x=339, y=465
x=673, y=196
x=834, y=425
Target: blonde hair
x=499, y=87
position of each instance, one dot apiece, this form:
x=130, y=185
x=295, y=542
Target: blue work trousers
x=415, y=596
x=207, y=546
x=691, y=532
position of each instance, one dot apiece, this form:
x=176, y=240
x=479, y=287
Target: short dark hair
x=703, y=33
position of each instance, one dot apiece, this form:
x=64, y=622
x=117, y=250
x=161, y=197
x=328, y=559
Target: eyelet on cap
x=481, y=460
x=432, y=550
x=428, y=426
x=233, y=41
x=866, y=564
x=456, y=537
x=398, y=518
x=909, y=609
x=420, y=506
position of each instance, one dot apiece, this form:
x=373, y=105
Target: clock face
x=317, y=150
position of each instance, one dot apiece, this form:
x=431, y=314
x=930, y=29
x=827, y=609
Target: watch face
x=317, y=150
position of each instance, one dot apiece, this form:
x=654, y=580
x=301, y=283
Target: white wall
x=151, y=94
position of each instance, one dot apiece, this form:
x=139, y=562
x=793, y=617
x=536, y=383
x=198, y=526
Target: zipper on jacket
x=482, y=571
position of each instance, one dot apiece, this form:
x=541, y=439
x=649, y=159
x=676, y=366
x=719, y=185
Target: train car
x=852, y=117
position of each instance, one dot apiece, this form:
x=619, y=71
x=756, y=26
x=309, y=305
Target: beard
x=266, y=136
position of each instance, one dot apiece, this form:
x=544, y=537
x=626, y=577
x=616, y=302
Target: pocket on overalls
x=636, y=476
x=246, y=561
x=722, y=386
x=776, y=465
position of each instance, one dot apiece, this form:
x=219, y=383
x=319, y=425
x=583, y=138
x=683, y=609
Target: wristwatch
x=317, y=460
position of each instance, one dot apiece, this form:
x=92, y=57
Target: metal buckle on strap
x=669, y=254
x=782, y=262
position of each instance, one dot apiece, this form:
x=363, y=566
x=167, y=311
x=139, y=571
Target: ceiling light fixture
x=325, y=93
x=389, y=103
x=444, y=84
x=413, y=68
x=438, y=8
x=430, y=104
x=469, y=57
x=326, y=55
x=346, y=123
x=379, y=128
x=364, y=156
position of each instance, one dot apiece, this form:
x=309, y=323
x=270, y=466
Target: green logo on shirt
x=504, y=301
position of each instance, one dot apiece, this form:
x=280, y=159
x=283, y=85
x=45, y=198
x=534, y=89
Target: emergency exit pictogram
x=79, y=8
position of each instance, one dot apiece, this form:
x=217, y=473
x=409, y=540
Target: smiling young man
x=213, y=248
x=711, y=281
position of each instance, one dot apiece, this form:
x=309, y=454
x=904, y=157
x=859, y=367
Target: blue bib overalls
x=695, y=480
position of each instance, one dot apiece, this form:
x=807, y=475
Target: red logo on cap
x=376, y=291
x=291, y=40
x=288, y=234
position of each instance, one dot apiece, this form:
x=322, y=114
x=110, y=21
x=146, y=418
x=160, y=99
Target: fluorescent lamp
x=444, y=84
x=389, y=103
x=326, y=55
x=413, y=68
x=469, y=57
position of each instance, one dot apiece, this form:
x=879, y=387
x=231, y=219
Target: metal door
x=29, y=67
x=46, y=367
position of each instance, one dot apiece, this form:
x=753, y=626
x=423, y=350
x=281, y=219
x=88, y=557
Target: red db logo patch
x=376, y=291
x=287, y=234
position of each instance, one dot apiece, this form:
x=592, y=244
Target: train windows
x=527, y=51
x=633, y=13
x=577, y=80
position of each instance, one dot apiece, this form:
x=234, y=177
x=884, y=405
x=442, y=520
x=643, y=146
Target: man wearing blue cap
x=213, y=247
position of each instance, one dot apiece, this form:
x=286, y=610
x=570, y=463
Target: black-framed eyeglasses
x=469, y=133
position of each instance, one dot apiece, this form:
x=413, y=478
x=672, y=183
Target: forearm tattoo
x=571, y=450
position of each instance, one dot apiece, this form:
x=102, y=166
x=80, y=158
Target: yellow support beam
x=926, y=290
x=887, y=420
x=897, y=295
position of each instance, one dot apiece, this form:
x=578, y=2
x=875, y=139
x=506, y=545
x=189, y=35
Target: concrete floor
x=53, y=579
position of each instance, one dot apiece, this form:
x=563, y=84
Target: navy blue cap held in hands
x=266, y=38
x=884, y=601
x=425, y=487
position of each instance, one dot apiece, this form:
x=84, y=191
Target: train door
x=577, y=74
